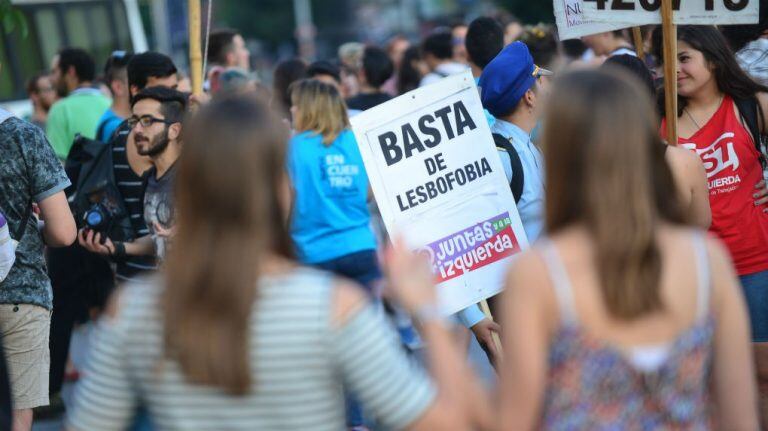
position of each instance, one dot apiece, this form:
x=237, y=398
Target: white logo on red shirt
x=718, y=156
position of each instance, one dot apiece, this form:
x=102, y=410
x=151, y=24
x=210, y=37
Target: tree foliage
x=12, y=18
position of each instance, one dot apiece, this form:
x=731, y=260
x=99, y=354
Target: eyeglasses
x=146, y=121
x=538, y=72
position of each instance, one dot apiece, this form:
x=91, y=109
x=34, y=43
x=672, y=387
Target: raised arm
x=394, y=389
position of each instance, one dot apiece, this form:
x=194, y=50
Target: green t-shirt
x=77, y=113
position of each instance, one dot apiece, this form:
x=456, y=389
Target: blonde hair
x=320, y=109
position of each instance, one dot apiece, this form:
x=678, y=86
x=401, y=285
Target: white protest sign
x=438, y=181
x=697, y=12
x=571, y=23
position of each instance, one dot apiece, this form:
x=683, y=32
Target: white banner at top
x=571, y=23
x=696, y=12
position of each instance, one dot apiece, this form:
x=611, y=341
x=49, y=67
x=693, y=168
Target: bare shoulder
x=526, y=266
x=529, y=293
x=526, y=276
x=347, y=299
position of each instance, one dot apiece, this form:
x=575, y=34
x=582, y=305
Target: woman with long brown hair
x=237, y=336
x=620, y=316
x=722, y=117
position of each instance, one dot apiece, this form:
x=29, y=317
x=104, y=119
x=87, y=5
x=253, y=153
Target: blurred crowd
x=223, y=260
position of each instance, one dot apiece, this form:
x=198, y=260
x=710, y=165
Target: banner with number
x=697, y=12
x=571, y=23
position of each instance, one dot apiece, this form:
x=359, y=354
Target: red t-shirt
x=733, y=169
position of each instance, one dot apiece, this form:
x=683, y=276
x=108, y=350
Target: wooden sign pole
x=195, y=51
x=637, y=35
x=496, y=339
x=670, y=69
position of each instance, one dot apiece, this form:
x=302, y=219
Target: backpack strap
x=518, y=176
x=751, y=113
x=100, y=131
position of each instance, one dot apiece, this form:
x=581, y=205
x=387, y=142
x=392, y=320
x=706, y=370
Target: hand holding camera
x=96, y=242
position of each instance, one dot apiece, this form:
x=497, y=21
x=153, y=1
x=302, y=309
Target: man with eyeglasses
x=156, y=122
x=145, y=70
x=43, y=95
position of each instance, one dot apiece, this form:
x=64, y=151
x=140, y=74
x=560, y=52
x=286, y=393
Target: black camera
x=100, y=217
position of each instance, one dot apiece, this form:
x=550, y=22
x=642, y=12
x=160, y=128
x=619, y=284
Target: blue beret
x=506, y=79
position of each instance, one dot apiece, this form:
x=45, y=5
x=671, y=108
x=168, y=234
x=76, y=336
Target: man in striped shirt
x=156, y=122
x=149, y=69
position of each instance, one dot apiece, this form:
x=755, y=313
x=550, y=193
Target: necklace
x=698, y=127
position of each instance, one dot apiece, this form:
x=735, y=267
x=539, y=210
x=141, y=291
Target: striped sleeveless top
x=298, y=364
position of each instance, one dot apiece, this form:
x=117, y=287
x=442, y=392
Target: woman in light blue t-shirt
x=330, y=223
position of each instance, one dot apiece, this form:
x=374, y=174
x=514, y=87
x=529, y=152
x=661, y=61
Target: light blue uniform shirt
x=330, y=215
x=472, y=315
x=531, y=205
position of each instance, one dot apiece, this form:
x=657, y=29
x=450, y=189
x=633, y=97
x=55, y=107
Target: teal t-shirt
x=79, y=112
x=330, y=214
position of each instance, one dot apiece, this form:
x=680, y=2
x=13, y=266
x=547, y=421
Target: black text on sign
x=655, y=5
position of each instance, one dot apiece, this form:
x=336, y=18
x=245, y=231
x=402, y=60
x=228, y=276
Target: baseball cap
x=507, y=77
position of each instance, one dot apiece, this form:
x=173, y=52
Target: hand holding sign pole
x=637, y=36
x=486, y=309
